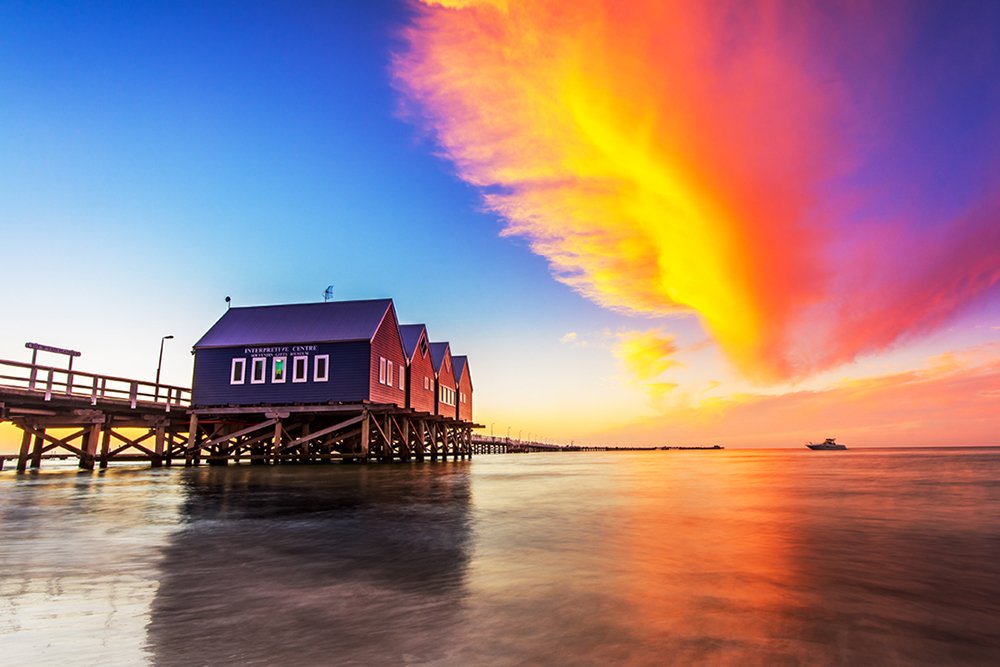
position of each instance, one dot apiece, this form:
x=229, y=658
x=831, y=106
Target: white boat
x=828, y=444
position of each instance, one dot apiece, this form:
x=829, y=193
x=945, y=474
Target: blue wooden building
x=314, y=353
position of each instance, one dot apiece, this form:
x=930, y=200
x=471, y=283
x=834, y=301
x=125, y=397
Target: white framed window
x=238, y=371
x=279, y=369
x=321, y=368
x=381, y=370
x=423, y=347
x=427, y=382
x=258, y=370
x=300, y=369
x=402, y=377
x=447, y=395
x=388, y=373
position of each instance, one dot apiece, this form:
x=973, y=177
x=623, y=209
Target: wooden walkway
x=111, y=419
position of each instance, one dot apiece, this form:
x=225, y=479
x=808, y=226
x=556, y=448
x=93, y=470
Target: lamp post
x=519, y=435
x=491, y=431
x=159, y=365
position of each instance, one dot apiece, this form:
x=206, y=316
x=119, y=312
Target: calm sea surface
x=877, y=557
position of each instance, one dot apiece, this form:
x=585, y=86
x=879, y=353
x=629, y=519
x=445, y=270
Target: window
x=278, y=369
x=300, y=369
x=427, y=382
x=447, y=395
x=381, y=370
x=461, y=397
x=238, y=371
x=402, y=377
x=388, y=373
x=423, y=347
x=258, y=370
x=321, y=368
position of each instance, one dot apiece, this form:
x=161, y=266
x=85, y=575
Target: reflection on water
x=647, y=558
x=344, y=564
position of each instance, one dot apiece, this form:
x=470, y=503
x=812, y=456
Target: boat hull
x=827, y=447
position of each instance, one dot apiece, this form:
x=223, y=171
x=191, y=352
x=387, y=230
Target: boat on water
x=829, y=443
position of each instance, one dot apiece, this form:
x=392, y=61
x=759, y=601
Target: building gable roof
x=461, y=365
x=438, y=353
x=332, y=322
x=411, y=337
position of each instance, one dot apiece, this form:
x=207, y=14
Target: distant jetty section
x=492, y=445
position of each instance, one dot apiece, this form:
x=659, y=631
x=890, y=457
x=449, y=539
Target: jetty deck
x=100, y=419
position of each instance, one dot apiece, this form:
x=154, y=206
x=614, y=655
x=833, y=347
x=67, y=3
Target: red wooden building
x=444, y=375
x=463, y=387
x=420, y=382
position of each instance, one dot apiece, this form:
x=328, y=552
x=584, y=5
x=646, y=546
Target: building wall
x=388, y=345
x=348, y=375
x=465, y=386
x=421, y=367
x=446, y=377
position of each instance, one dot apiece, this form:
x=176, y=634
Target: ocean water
x=781, y=557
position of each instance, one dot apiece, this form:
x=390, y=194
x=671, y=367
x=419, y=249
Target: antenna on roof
x=229, y=302
x=328, y=293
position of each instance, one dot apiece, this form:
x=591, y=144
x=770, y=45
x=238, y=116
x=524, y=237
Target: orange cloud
x=677, y=157
x=646, y=354
x=950, y=402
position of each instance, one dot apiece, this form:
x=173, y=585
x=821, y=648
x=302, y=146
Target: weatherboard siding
x=421, y=367
x=348, y=377
x=465, y=385
x=446, y=377
x=387, y=343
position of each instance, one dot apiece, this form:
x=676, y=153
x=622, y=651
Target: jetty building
x=420, y=380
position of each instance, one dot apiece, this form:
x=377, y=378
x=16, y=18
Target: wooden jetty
x=101, y=413
x=101, y=419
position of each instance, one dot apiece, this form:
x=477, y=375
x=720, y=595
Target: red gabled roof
x=460, y=364
x=438, y=352
x=411, y=338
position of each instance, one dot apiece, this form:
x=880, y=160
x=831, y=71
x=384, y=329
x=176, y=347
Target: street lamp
x=491, y=430
x=519, y=435
x=159, y=365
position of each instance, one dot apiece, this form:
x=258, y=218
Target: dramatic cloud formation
x=794, y=174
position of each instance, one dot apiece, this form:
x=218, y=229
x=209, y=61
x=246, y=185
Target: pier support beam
x=90, y=441
x=22, y=456
x=36, y=451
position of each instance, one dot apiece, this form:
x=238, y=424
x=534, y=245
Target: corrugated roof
x=458, y=363
x=330, y=322
x=437, y=355
x=411, y=336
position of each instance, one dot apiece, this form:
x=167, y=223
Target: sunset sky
x=646, y=223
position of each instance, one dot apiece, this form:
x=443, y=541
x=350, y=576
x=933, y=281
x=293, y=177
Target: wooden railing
x=50, y=381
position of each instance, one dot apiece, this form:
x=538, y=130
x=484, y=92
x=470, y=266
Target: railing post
x=48, y=387
x=133, y=393
x=93, y=393
x=32, y=376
